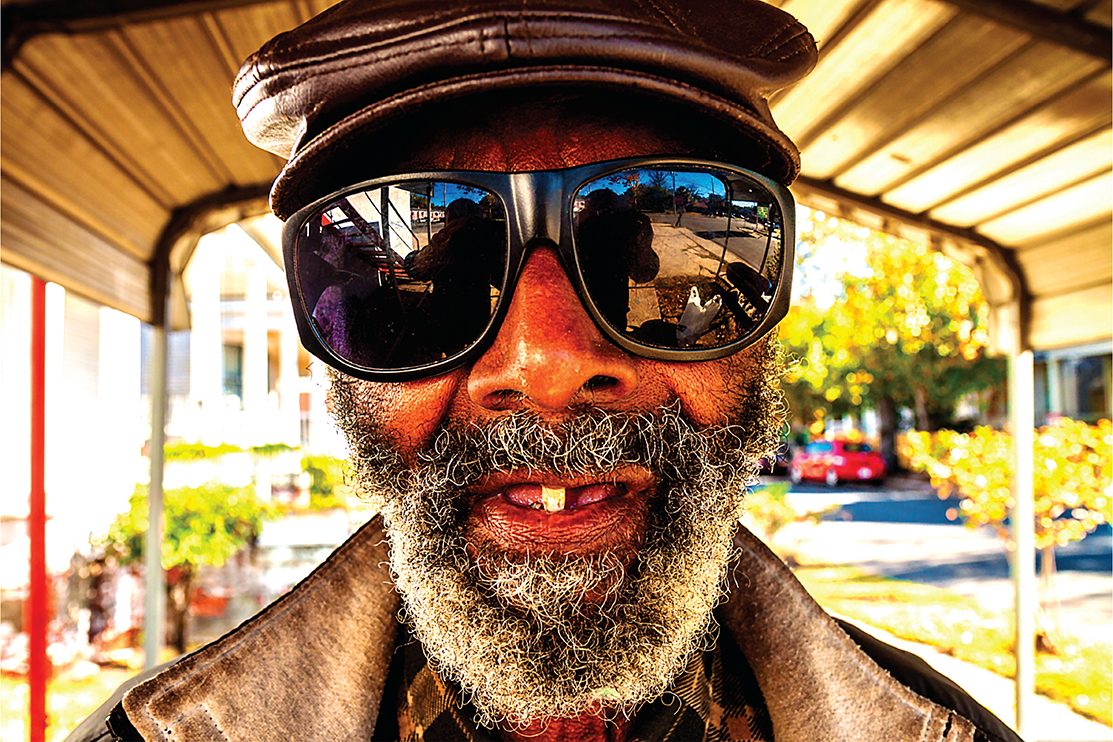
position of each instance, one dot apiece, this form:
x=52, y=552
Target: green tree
x=1073, y=476
x=204, y=525
x=904, y=328
x=327, y=488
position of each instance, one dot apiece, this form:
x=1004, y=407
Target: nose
x=549, y=354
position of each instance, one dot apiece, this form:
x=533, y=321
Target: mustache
x=592, y=443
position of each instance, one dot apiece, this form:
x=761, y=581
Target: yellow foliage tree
x=1073, y=475
x=883, y=323
x=1073, y=483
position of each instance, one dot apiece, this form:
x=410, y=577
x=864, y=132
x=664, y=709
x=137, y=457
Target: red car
x=837, y=461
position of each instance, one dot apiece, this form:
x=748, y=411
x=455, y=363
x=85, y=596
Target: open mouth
x=529, y=511
x=552, y=494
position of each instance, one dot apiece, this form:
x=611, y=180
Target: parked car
x=778, y=462
x=837, y=461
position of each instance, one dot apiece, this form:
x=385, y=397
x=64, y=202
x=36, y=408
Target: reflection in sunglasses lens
x=679, y=258
x=405, y=275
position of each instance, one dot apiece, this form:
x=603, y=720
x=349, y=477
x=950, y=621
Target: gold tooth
x=553, y=498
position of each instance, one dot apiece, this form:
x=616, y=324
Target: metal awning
x=980, y=126
x=120, y=146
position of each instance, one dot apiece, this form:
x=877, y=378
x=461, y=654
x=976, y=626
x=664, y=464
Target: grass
x=69, y=700
x=74, y=692
x=1078, y=675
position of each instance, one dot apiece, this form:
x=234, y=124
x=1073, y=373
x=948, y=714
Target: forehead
x=520, y=142
x=514, y=130
x=530, y=132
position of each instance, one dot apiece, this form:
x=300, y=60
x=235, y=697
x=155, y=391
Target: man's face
x=560, y=512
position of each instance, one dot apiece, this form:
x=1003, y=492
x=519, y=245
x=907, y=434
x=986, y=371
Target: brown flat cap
x=310, y=93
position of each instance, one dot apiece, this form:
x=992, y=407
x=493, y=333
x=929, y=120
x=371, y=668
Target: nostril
x=601, y=383
x=504, y=399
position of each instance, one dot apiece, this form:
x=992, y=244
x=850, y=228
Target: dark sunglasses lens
x=679, y=257
x=402, y=276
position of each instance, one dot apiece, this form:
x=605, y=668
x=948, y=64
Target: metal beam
x=876, y=206
x=260, y=238
x=172, y=253
x=179, y=238
x=23, y=21
x=1061, y=28
x=154, y=581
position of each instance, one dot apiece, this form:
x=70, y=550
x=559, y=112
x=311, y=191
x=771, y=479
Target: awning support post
x=36, y=613
x=1023, y=563
x=154, y=580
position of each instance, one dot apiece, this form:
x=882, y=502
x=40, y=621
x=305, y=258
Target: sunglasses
x=410, y=276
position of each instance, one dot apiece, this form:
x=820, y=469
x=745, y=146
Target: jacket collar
x=817, y=683
x=313, y=664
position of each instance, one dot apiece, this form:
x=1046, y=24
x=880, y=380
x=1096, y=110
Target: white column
x=255, y=367
x=59, y=443
x=119, y=404
x=289, y=387
x=206, y=344
x=15, y=384
x=1107, y=381
x=1022, y=420
x=1069, y=376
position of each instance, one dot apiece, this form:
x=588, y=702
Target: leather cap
x=308, y=94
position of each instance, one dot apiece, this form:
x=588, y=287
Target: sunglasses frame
x=538, y=208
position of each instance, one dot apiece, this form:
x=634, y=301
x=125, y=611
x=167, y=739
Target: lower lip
x=614, y=522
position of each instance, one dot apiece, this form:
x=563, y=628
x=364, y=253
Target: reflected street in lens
x=679, y=258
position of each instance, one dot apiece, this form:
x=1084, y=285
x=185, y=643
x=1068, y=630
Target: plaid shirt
x=715, y=699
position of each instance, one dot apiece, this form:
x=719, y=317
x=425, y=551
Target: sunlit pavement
x=901, y=530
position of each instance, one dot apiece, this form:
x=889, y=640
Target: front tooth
x=553, y=497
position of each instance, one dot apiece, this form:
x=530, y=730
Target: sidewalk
x=1049, y=721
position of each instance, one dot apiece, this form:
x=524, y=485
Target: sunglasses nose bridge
x=538, y=199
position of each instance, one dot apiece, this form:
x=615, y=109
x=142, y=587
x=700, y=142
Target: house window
x=233, y=371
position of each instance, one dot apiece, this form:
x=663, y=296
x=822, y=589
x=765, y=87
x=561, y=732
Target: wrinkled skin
x=550, y=358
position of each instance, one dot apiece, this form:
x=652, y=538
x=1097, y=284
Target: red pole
x=36, y=612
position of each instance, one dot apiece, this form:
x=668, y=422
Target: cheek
x=410, y=412
x=710, y=392
x=703, y=389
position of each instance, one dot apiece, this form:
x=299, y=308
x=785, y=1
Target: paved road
x=902, y=530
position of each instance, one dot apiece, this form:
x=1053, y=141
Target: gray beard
x=529, y=637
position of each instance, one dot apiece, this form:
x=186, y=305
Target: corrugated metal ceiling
x=980, y=126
